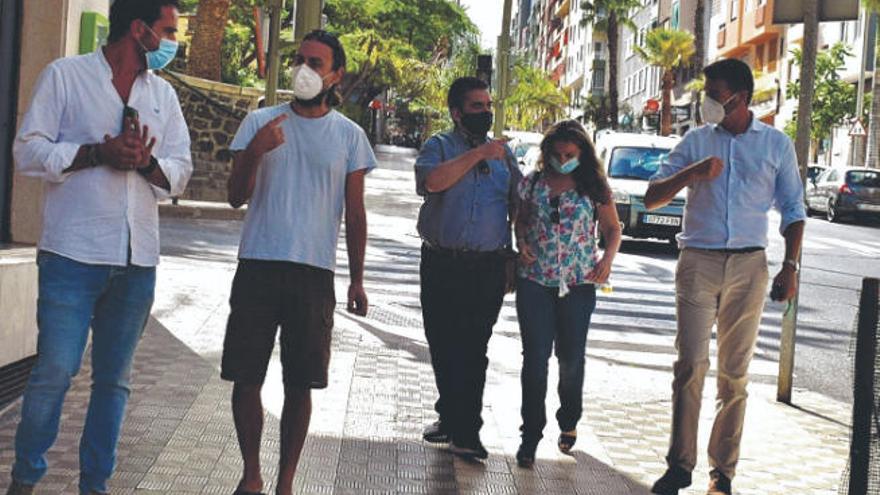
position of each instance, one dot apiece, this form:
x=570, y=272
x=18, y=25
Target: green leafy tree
x=607, y=17
x=834, y=100
x=534, y=99
x=204, y=52
x=667, y=49
x=393, y=44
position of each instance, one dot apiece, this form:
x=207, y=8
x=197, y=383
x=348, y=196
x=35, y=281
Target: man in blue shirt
x=735, y=169
x=468, y=184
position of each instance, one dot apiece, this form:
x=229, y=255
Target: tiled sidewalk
x=365, y=435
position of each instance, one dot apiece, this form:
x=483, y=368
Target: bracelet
x=793, y=264
x=148, y=170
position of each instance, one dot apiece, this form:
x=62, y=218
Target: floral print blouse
x=562, y=238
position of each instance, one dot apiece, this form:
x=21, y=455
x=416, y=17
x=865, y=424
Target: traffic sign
x=857, y=129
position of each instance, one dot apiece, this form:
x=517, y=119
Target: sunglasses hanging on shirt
x=554, y=215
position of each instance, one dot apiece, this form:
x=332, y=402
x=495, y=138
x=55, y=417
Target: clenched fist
x=708, y=169
x=269, y=137
x=494, y=149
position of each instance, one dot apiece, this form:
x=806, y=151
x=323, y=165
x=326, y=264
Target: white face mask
x=713, y=110
x=307, y=83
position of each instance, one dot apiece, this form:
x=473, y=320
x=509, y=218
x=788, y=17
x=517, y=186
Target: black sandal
x=567, y=441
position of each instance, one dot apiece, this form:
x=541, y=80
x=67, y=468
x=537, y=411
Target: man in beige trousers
x=735, y=169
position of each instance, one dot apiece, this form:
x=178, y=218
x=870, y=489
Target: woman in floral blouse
x=560, y=267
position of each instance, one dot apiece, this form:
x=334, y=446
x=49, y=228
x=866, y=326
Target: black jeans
x=461, y=298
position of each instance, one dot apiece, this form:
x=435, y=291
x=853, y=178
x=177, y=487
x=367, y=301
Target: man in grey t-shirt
x=299, y=166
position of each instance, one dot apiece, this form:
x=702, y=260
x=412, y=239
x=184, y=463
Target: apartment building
x=637, y=81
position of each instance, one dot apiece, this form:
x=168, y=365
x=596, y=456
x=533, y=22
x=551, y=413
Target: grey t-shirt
x=296, y=208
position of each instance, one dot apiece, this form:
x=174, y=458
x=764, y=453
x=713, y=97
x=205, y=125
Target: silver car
x=845, y=191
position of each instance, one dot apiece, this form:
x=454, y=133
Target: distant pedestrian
x=560, y=265
x=735, y=169
x=299, y=166
x=108, y=138
x=468, y=183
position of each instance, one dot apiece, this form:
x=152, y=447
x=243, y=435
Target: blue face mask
x=162, y=56
x=564, y=168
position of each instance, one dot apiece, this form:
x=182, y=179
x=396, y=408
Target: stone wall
x=213, y=112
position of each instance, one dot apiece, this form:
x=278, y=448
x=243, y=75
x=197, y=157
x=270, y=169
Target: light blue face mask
x=564, y=168
x=162, y=56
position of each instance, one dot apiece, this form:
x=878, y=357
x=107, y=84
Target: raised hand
x=269, y=137
x=708, y=169
x=494, y=149
x=128, y=150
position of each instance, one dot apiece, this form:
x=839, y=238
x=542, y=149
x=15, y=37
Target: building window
x=734, y=10
x=675, y=14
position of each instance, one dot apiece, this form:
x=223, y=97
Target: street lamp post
x=802, y=149
x=503, y=69
x=275, y=10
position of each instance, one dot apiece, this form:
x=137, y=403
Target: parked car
x=631, y=160
x=522, y=142
x=845, y=191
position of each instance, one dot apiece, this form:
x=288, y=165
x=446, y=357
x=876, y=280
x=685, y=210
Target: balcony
x=722, y=37
x=757, y=25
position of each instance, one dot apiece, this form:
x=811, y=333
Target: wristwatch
x=792, y=263
x=92, y=156
x=148, y=170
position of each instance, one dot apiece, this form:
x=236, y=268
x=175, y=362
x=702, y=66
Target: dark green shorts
x=270, y=294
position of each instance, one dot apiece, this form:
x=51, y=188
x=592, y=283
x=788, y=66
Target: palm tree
x=607, y=16
x=873, y=154
x=667, y=49
x=204, y=54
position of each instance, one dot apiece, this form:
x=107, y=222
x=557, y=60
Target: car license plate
x=662, y=220
x=867, y=207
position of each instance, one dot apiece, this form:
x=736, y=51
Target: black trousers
x=461, y=297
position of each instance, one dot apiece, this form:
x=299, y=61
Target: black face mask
x=477, y=124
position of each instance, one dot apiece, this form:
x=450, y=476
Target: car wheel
x=810, y=211
x=831, y=212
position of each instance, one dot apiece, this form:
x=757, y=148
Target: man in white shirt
x=299, y=166
x=100, y=242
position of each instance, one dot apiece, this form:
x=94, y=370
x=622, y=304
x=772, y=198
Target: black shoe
x=673, y=480
x=435, y=433
x=470, y=448
x=566, y=441
x=719, y=484
x=525, y=456
x=17, y=488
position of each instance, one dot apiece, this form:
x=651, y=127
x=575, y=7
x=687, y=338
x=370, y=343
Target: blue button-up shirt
x=760, y=172
x=473, y=213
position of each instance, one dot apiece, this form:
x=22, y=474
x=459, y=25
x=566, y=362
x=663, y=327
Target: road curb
x=201, y=210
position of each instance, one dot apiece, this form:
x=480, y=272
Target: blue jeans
x=545, y=319
x=115, y=302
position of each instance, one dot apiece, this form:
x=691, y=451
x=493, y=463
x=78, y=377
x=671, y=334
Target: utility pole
x=308, y=18
x=276, y=8
x=857, y=143
x=503, y=73
x=802, y=148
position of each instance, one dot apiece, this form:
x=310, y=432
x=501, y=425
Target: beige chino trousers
x=727, y=290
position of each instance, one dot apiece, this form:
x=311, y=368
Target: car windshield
x=866, y=178
x=636, y=163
